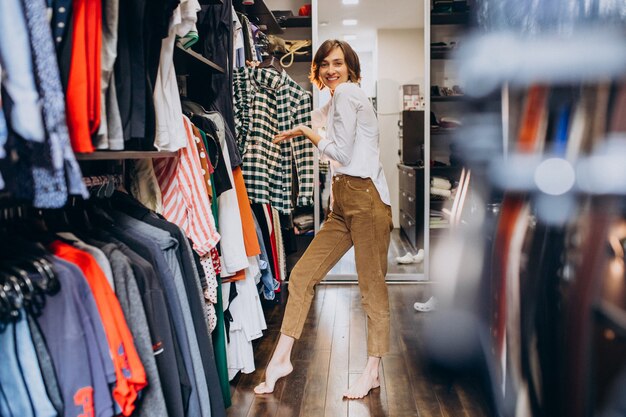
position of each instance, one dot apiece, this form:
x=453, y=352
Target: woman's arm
x=301, y=130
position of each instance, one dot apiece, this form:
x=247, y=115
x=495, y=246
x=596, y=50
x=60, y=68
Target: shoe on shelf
x=409, y=258
x=429, y=305
x=406, y=259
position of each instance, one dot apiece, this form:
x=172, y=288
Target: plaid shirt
x=267, y=102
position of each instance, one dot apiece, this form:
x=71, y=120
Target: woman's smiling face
x=333, y=69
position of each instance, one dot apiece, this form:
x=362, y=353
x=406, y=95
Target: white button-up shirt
x=351, y=141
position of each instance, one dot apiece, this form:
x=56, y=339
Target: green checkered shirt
x=266, y=103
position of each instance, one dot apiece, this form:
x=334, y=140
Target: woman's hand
x=301, y=130
x=288, y=134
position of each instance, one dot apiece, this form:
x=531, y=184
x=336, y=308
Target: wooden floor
x=398, y=247
x=332, y=353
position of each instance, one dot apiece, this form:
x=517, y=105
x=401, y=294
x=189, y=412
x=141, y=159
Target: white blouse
x=351, y=141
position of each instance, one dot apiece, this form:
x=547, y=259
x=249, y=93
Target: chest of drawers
x=411, y=202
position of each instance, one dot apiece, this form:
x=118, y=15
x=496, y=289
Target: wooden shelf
x=113, y=155
x=295, y=22
x=447, y=99
x=260, y=11
x=195, y=57
x=457, y=18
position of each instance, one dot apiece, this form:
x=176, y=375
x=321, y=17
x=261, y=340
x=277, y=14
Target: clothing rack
x=102, y=180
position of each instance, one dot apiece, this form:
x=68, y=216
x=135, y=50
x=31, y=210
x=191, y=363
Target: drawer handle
x=411, y=175
x=410, y=223
x=404, y=195
x=410, y=198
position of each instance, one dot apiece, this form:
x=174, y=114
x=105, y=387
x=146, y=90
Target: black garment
x=231, y=141
x=174, y=377
x=134, y=208
x=247, y=47
x=132, y=83
x=221, y=179
x=46, y=366
x=156, y=28
x=259, y=213
x=228, y=318
x=60, y=22
x=233, y=150
x=64, y=52
x=158, y=17
x=215, y=31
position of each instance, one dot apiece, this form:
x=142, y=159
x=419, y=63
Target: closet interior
x=143, y=231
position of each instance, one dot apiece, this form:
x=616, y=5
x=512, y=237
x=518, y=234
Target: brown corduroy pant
x=359, y=218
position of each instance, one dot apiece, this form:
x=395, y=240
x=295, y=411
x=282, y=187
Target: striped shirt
x=185, y=199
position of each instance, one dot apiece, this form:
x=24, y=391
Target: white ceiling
x=371, y=15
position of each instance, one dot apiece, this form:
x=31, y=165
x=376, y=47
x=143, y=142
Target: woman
x=360, y=214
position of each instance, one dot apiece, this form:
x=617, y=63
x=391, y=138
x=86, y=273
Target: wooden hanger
x=271, y=62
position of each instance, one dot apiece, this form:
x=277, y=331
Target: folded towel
x=440, y=192
x=441, y=183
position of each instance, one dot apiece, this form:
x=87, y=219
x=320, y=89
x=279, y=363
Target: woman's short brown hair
x=351, y=59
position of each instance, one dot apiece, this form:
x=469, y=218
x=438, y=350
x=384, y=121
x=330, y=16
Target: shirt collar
x=268, y=79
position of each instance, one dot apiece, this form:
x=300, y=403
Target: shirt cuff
x=323, y=144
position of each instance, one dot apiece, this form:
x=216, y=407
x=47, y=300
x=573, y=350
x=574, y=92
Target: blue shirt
x=11, y=378
x=78, y=344
x=29, y=364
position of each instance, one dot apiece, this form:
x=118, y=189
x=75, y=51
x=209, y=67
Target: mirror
x=389, y=39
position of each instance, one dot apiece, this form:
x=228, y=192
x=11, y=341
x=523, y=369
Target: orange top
x=129, y=371
x=239, y=276
x=82, y=98
x=250, y=239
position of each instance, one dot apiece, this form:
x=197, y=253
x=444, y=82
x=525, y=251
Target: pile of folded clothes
x=441, y=188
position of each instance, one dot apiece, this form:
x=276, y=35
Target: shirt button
x=202, y=155
x=59, y=39
x=61, y=25
x=61, y=9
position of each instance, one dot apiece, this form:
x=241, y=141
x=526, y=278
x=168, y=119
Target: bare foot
x=272, y=374
x=362, y=386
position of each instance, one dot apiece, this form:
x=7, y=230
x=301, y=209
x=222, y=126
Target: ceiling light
x=350, y=22
x=349, y=37
x=350, y=1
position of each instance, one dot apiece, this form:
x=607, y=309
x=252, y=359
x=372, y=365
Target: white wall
x=400, y=60
x=368, y=75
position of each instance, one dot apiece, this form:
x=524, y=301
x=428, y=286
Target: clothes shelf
x=440, y=55
x=457, y=18
x=195, y=57
x=266, y=20
x=295, y=22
